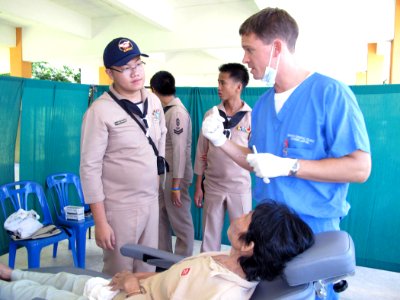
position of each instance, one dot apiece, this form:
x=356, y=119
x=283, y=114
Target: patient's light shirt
x=198, y=277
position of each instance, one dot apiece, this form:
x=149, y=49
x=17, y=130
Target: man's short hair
x=236, y=71
x=271, y=23
x=163, y=83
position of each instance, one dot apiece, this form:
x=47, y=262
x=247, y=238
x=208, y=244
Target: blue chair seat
x=30, y=195
x=35, y=246
x=60, y=185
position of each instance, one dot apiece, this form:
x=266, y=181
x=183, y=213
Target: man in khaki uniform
x=174, y=199
x=227, y=186
x=118, y=166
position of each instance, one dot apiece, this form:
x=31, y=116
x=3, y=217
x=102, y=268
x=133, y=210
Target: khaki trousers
x=178, y=219
x=137, y=225
x=216, y=203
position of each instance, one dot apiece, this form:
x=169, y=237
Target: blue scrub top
x=320, y=119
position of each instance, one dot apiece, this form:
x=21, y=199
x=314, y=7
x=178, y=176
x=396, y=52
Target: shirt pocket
x=125, y=133
x=240, y=135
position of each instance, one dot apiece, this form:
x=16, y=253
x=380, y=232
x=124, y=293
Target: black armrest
x=159, y=258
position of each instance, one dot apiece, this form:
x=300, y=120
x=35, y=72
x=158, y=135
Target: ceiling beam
x=53, y=16
x=157, y=12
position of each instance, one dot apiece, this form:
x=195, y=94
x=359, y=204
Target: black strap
x=228, y=124
x=132, y=107
x=167, y=108
x=126, y=105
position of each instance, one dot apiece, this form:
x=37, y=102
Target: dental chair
x=329, y=260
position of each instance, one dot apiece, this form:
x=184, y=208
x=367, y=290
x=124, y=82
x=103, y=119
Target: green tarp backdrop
x=50, y=115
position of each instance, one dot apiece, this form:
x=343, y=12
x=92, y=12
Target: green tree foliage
x=42, y=70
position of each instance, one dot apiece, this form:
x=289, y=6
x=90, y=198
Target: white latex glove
x=213, y=128
x=267, y=165
x=97, y=288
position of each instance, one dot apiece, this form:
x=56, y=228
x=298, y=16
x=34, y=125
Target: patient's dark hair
x=278, y=235
x=163, y=83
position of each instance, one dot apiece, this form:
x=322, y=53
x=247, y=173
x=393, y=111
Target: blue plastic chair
x=59, y=187
x=30, y=195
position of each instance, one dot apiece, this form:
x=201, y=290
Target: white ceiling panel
x=190, y=29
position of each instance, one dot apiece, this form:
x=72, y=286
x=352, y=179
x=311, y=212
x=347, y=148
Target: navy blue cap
x=120, y=51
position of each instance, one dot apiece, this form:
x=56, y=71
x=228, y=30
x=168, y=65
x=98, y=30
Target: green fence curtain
x=374, y=217
x=98, y=90
x=50, y=128
x=10, y=102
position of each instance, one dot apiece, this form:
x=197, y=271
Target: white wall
x=4, y=60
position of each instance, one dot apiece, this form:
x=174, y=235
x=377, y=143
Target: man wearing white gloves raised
x=308, y=139
x=265, y=165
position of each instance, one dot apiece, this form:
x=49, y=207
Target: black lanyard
x=132, y=109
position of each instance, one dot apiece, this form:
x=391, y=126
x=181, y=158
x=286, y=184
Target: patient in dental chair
x=262, y=241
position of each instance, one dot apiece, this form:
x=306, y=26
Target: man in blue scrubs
x=309, y=138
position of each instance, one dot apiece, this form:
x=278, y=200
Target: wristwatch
x=295, y=168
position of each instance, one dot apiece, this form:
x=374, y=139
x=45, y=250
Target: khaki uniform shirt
x=221, y=172
x=178, y=143
x=197, y=277
x=118, y=165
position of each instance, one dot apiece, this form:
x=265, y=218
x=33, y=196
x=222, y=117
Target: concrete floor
x=364, y=285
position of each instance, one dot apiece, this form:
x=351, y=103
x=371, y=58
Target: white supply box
x=76, y=217
x=73, y=212
x=72, y=209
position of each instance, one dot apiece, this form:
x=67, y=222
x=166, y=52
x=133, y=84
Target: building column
x=375, y=65
x=104, y=79
x=395, y=53
x=18, y=67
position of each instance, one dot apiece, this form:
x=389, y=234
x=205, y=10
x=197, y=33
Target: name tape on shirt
x=120, y=122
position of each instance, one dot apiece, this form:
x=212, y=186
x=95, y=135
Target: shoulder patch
x=178, y=130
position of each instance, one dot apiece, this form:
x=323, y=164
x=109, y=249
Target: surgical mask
x=270, y=73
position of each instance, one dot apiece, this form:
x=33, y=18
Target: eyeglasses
x=129, y=70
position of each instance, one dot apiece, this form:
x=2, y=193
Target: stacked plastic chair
x=59, y=185
x=30, y=195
